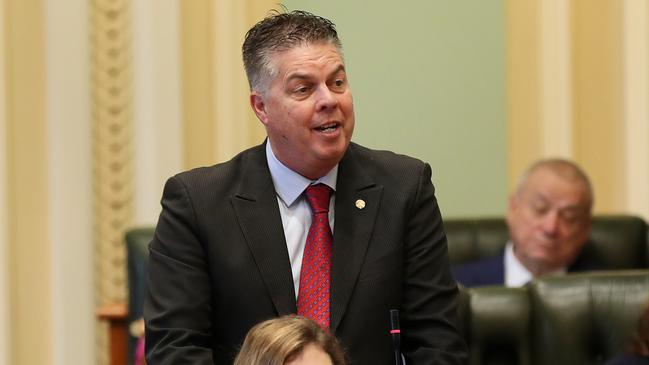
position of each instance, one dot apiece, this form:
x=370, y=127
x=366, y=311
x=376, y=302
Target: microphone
x=395, y=333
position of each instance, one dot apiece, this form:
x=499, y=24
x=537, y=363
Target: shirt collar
x=289, y=185
x=515, y=273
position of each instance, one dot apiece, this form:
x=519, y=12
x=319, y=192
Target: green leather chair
x=576, y=319
x=618, y=242
x=585, y=319
x=137, y=252
x=496, y=324
x=505, y=325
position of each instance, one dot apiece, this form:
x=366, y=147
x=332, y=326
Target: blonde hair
x=278, y=340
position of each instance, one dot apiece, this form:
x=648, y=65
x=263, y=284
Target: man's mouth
x=328, y=127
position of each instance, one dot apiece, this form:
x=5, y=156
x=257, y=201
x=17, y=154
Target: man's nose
x=551, y=223
x=326, y=99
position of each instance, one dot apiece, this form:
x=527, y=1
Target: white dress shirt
x=516, y=274
x=294, y=209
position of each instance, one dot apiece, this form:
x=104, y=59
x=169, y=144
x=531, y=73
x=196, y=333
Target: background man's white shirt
x=516, y=275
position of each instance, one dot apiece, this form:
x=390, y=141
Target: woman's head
x=289, y=340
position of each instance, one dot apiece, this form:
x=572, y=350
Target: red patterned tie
x=313, y=296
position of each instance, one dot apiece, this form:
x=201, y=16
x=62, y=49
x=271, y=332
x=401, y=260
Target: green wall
x=428, y=79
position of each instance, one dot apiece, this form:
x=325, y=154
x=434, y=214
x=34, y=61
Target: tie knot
x=318, y=197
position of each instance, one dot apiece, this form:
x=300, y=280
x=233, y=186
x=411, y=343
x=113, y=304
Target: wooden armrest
x=116, y=315
x=112, y=311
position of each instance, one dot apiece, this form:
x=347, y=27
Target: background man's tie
x=313, y=296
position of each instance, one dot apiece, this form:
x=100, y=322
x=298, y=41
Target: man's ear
x=259, y=106
x=512, y=205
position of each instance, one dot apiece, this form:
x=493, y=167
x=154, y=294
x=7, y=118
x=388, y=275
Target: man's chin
x=544, y=262
x=332, y=153
x=549, y=266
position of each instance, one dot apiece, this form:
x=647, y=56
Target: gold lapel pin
x=360, y=203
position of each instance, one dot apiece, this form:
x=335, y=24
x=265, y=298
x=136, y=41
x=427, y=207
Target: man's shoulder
x=384, y=161
x=254, y=154
x=487, y=271
x=587, y=260
x=381, y=156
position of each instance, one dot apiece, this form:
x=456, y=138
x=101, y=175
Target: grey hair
x=282, y=31
x=562, y=167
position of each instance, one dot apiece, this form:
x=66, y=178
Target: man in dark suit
x=549, y=219
x=233, y=241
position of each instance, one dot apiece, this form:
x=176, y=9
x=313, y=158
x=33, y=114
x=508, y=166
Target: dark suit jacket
x=628, y=359
x=219, y=262
x=491, y=270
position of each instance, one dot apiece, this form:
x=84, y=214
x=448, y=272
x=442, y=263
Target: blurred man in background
x=549, y=219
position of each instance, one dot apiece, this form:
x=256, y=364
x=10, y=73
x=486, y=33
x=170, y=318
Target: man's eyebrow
x=306, y=76
x=539, y=196
x=573, y=208
x=298, y=75
x=340, y=67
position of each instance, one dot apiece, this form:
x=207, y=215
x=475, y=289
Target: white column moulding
x=5, y=322
x=70, y=199
x=636, y=104
x=157, y=103
x=236, y=127
x=556, y=86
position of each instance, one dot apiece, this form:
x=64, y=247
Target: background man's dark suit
x=220, y=247
x=491, y=270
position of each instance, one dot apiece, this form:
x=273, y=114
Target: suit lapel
x=352, y=231
x=258, y=214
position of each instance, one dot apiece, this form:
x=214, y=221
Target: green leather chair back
x=618, y=242
x=473, y=239
x=576, y=319
x=496, y=325
x=584, y=319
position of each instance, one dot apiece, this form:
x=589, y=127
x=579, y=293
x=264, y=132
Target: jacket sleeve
x=177, y=310
x=430, y=298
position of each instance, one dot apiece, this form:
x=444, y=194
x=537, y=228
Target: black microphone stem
x=395, y=333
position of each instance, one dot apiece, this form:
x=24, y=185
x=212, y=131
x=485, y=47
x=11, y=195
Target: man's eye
x=338, y=84
x=301, y=90
x=539, y=209
x=571, y=217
